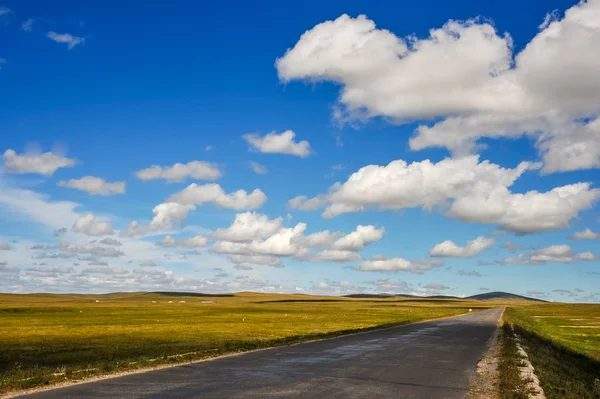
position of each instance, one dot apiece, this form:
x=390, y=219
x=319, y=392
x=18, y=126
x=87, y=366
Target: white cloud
x=554, y=253
x=177, y=208
x=91, y=249
x=258, y=168
x=87, y=225
x=67, y=38
x=37, y=207
x=278, y=244
x=357, y=240
x=2, y=61
x=249, y=226
x=450, y=249
x=587, y=234
x=400, y=185
x=44, y=164
x=302, y=203
x=194, y=242
x=266, y=260
x=333, y=255
x=549, y=90
x=4, y=246
x=27, y=26
x=213, y=193
x=166, y=215
x=528, y=213
x=94, y=186
x=5, y=11
x=254, y=234
x=148, y=263
x=476, y=191
x=49, y=272
x=278, y=143
x=111, y=241
x=198, y=170
x=399, y=265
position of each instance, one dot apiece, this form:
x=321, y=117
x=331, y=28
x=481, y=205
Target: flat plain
x=47, y=339
x=563, y=344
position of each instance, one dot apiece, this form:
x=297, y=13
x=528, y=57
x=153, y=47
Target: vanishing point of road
x=427, y=360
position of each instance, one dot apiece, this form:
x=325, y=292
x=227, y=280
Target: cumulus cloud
x=278, y=244
x=267, y=260
x=258, y=168
x=450, y=249
x=94, y=186
x=177, y=208
x=91, y=249
x=213, y=193
x=4, y=246
x=148, y=263
x=399, y=265
x=111, y=241
x=166, y=216
x=278, y=143
x=333, y=255
x=357, y=240
x=70, y=40
x=44, y=164
x=543, y=91
x=586, y=234
x=303, y=203
x=554, y=253
x=179, y=172
x=87, y=225
x=249, y=226
x=253, y=234
x=477, y=192
x=48, y=272
x=194, y=242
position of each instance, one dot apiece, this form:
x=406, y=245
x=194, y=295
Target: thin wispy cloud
x=70, y=40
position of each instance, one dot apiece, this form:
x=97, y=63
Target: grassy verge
x=511, y=385
x=562, y=342
x=49, y=339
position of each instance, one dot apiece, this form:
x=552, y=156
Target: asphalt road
x=430, y=360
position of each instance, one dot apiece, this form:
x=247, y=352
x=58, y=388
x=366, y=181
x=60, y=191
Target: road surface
x=428, y=360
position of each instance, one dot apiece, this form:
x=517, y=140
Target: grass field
x=46, y=339
x=563, y=344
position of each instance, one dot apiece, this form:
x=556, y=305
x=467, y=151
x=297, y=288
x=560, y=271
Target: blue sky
x=422, y=113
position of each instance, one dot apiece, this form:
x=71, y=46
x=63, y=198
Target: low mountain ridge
x=480, y=297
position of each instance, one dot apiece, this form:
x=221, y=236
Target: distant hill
x=480, y=297
x=502, y=295
x=364, y=296
x=175, y=293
